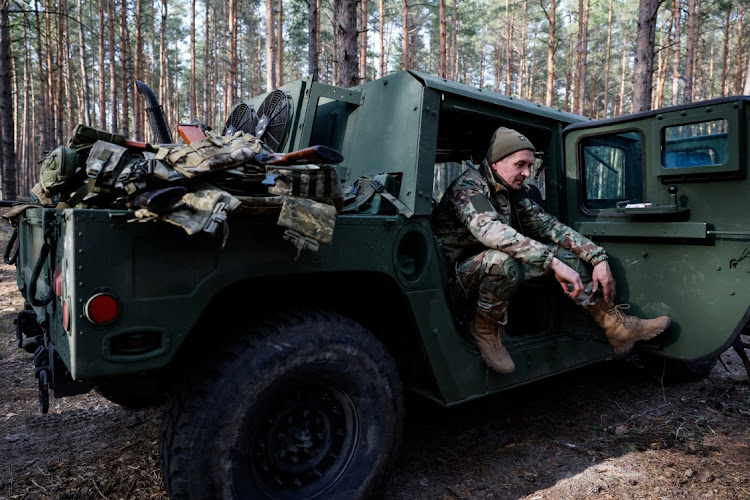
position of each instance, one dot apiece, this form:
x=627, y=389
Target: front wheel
x=678, y=371
x=304, y=406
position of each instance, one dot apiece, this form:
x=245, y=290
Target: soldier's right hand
x=567, y=277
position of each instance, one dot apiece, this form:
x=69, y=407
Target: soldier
x=490, y=231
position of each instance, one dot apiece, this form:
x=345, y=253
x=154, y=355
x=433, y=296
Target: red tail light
x=57, y=282
x=101, y=308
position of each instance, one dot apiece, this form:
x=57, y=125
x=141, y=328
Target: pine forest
x=76, y=62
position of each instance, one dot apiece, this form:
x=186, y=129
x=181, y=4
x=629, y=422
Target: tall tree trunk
x=381, y=37
x=643, y=67
x=270, y=47
x=163, y=63
x=193, y=65
x=363, y=41
x=584, y=47
x=112, y=66
x=125, y=63
x=232, y=73
x=607, y=61
x=84, y=112
x=40, y=120
x=206, y=62
x=346, y=33
x=663, y=63
x=313, y=26
x=443, y=55
x=280, y=45
x=7, y=144
x=746, y=89
x=621, y=103
x=676, y=15
x=725, y=56
x=690, y=51
x=405, y=62
x=739, y=79
x=522, y=55
x=453, y=59
x=508, y=48
x=138, y=105
x=551, y=16
x=102, y=67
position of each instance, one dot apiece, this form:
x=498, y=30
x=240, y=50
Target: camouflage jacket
x=478, y=212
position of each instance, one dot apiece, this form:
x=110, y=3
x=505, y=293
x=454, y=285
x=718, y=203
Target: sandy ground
x=610, y=431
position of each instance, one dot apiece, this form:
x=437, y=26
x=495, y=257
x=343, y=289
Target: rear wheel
x=304, y=406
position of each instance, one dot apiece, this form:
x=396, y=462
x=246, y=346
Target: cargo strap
x=365, y=188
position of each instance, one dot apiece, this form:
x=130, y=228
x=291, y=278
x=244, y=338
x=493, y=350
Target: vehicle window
x=612, y=169
x=695, y=145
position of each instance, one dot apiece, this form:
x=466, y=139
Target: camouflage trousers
x=491, y=277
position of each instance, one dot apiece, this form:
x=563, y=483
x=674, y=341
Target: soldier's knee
x=579, y=265
x=504, y=283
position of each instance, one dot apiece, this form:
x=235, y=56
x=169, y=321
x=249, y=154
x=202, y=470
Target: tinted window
x=612, y=169
x=695, y=145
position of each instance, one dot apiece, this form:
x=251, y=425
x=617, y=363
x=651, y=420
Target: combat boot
x=486, y=332
x=622, y=330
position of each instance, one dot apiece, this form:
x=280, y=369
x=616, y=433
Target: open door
x=664, y=193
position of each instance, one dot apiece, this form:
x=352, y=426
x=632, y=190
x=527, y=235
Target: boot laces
x=617, y=312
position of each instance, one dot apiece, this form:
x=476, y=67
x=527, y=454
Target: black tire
x=677, y=371
x=134, y=391
x=307, y=405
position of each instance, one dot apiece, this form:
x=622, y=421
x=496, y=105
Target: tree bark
x=206, y=64
x=725, y=55
x=125, y=63
x=346, y=33
x=405, y=62
x=551, y=15
x=280, y=45
x=7, y=144
x=84, y=112
x=442, y=51
x=687, y=95
x=381, y=38
x=643, y=67
x=607, y=61
x=363, y=31
x=112, y=66
x=270, y=47
x=583, y=47
x=676, y=15
x=102, y=67
x=138, y=105
x=453, y=59
x=313, y=26
x=163, y=63
x=508, y=48
x=193, y=65
x=232, y=73
x=522, y=55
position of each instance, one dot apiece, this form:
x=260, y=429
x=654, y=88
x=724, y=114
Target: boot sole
x=627, y=346
x=503, y=372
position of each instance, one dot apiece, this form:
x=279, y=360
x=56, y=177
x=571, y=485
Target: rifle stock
x=312, y=154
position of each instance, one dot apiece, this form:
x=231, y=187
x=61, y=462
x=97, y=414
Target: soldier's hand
x=602, y=278
x=567, y=277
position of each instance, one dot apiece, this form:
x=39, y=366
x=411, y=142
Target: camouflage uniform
x=491, y=234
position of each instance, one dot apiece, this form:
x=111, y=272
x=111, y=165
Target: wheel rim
x=304, y=442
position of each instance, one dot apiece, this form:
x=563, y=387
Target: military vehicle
x=286, y=369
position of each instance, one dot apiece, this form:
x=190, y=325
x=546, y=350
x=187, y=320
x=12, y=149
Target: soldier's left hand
x=602, y=278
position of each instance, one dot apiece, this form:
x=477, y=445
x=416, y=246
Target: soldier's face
x=516, y=168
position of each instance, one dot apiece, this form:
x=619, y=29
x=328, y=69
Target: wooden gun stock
x=313, y=154
x=191, y=132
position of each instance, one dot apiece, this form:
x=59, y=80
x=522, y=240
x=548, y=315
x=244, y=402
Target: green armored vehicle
x=285, y=365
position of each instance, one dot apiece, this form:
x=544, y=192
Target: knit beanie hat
x=506, y=141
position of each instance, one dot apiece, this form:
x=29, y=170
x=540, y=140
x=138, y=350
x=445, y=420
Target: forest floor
x=608, y=431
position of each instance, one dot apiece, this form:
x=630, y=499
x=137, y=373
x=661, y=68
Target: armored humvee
x=285, y=369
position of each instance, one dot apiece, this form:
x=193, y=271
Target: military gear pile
x=193, y=186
